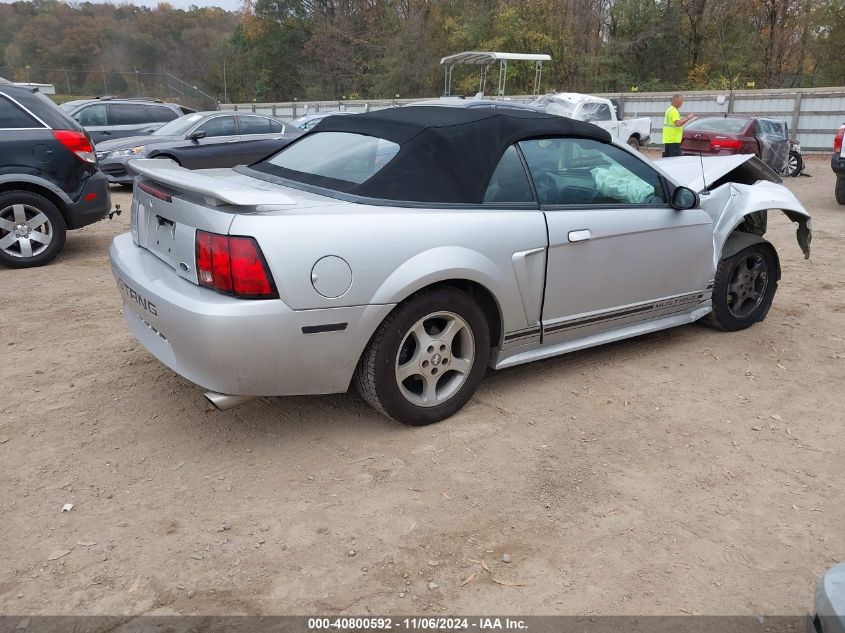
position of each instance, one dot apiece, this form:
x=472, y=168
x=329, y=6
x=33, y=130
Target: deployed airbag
x=620, y=184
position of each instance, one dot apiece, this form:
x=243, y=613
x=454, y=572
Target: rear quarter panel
x=393, y=252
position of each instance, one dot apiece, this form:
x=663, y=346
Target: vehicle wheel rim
x=435, y=359
x=24, y=231
x=791, y=165
x=747, y=286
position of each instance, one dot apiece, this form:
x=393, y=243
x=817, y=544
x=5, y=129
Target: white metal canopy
x=486, y=59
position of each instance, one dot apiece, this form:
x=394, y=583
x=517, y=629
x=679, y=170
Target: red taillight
x=720, y=142
x=155, y=193
x=234, y=266
x=837, y=140
x=77, y=142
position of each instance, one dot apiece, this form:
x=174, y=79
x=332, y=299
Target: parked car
x=199, y=140
x=307, y=121
x=599, y=111
x=49, y=181
x=829, y=606
x=108, y=118
x=406, y=250
x=723, y=135
x=837, y=162
x=460, y=102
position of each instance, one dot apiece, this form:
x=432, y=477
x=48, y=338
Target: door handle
x=234, y=140
x=580, y=236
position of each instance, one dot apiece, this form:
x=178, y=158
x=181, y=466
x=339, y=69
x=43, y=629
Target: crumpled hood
x=698, y=172
x=132, y=141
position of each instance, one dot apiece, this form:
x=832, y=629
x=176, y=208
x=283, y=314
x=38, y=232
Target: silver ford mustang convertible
x=408, y=250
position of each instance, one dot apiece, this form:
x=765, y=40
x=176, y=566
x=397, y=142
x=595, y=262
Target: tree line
x=279, y=50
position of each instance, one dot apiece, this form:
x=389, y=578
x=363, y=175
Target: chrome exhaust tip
x=224, y=402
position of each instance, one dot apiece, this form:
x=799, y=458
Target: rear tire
x=744, y=288
x=32, y=229
x=427, y=358
x=840, y=190
x=794, y=165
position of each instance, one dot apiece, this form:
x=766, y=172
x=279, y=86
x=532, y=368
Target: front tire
x=840, y=190
x=744, y=288
x=32, y=229
x=427, y=358
x=634, y=142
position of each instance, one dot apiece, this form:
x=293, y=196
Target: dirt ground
x=689, y=471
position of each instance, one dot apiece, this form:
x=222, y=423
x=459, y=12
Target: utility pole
x=67, y=79
x=105, y=82
x=225, y=89
x=137, y=83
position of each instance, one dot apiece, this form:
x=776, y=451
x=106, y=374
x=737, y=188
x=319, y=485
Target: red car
x=720, y=135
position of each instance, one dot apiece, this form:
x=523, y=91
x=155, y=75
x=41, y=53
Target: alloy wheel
x=747, y=285
x=24, y=230
x=435, y=359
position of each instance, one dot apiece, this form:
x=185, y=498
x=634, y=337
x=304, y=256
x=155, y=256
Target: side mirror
x=195, y=136
x=684, y=198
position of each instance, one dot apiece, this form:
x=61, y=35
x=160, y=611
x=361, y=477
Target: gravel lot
x=689, y=471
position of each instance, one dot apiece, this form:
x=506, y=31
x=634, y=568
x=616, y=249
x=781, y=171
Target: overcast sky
x=230, y=5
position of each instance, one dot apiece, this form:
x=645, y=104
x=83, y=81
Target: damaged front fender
x=737, y=191
x=744, y=207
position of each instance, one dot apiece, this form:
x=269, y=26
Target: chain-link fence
x=68, y=83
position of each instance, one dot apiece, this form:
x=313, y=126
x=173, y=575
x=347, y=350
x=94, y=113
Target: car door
x=128, y=119
x=94, y=118
x=618, y=252
x=219, y=147
x=260, y=137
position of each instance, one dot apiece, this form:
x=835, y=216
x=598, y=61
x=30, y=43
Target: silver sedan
x=406, y=251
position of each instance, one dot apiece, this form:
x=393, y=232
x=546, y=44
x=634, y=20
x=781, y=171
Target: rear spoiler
x=215, y=190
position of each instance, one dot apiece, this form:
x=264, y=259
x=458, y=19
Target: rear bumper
x=837, y=163
x=87, y=211
x=237, y=346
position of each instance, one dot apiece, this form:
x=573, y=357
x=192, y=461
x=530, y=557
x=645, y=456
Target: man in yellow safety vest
x=673, y=131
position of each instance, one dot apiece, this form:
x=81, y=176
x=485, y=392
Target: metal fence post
x=796, y=113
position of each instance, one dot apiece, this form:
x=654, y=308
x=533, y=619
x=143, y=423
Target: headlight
x=132, y=151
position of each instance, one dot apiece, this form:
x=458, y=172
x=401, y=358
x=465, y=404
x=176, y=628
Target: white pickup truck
x=599, y=111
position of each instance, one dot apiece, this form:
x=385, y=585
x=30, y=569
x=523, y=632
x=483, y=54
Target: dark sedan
x=198, y=141
x=766, y=138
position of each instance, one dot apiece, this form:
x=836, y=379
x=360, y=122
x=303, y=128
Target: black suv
x=107, y=118
x=49, y=180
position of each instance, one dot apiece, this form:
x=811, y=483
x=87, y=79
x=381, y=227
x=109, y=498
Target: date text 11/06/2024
x=416, y=624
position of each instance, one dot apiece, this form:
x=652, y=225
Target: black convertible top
x=446, y=155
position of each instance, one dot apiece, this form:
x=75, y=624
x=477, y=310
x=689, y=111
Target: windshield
x=352, y=158
x=177, y=127
x=717, y=124
x=555, y=106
